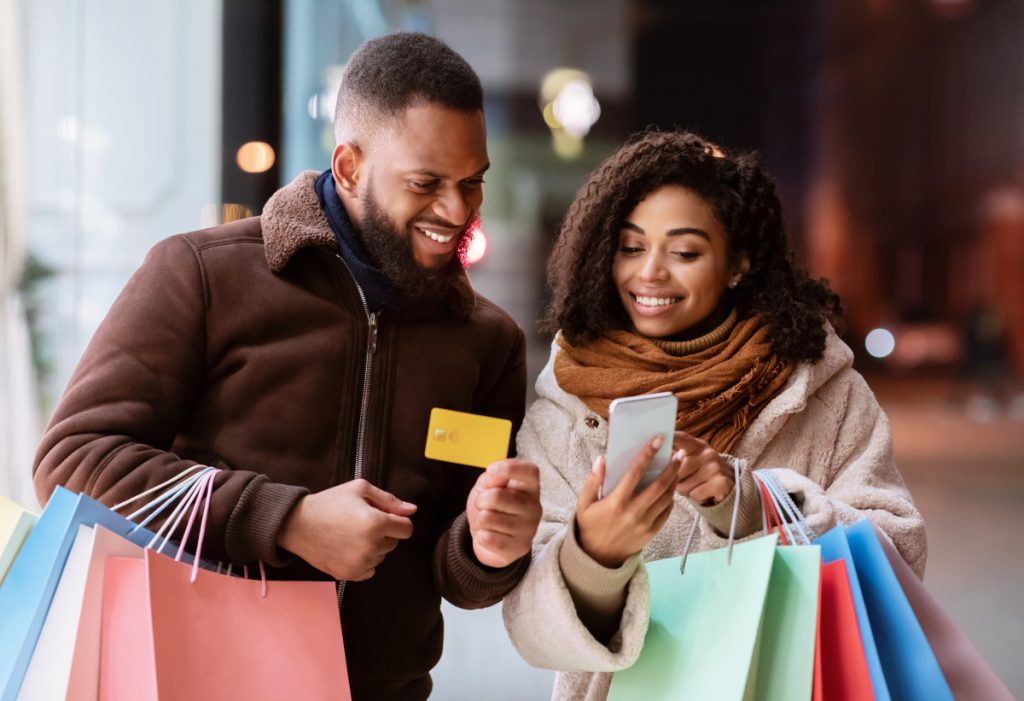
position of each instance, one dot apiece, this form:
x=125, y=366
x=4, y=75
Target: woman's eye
x=628, y=250
x=688, y=255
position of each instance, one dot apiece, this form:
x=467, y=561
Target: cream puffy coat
x=824, y=430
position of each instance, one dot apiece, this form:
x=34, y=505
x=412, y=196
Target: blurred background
x=894, y=128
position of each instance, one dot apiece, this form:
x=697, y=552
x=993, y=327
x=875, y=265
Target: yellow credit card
x=467, y=439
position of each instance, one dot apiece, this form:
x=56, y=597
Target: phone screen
x=632, y=422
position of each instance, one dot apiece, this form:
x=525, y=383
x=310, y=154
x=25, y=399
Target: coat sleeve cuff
x=748, y=521
x=476, y=585
x=598, y=590
x=257, y=520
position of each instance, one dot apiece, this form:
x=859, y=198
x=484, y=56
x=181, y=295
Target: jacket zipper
x=371, y=348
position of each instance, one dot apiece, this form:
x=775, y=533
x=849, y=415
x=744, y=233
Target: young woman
x=673, y=272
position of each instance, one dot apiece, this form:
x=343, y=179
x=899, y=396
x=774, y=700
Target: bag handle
x=206, y=490
x=732, y=523
x=777, y=499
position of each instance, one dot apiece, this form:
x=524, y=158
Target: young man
x=302, y=352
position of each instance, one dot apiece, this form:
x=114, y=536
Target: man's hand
x=347, y=530
x=614, y=528
x=503, y=509
x=705, y=476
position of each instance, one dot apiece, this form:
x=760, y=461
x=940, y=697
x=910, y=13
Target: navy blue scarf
x=379, y=292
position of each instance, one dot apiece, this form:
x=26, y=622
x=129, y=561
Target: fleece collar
x=293, y=219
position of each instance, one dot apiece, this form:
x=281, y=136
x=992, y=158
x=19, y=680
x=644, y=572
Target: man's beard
x=390, y=251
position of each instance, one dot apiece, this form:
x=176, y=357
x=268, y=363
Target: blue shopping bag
x=26, y=592
x=900, y=659
x=911, y=670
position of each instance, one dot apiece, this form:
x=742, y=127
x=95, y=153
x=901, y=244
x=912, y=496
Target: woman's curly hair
x=585, y=302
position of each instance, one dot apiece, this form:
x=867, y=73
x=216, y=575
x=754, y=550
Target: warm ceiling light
x=255, y=157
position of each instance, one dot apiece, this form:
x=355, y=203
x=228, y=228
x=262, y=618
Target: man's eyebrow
x=681, y=231
x=440, y=176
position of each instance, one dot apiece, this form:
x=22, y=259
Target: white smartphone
x=632, y=423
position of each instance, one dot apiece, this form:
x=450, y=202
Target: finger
x=387, y=502
x=499, y=522
x=525, y=475
x=399, y=527
x=509, y=501
x=592, y=487
x=361, y=576
x=665, y=500
x=662, y=517
x=502, y=544
x=664, y=484
x=388, y=544
x=704, y=473
x=624, y=490
x=715, y=490
x=690, y=444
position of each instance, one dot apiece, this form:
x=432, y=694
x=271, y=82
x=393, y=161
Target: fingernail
x=656, y=443
x=679, y=455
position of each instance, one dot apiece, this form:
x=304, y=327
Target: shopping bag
x=65, y=662
x=171, y=631
x=26, y=592
x=15, y=523
x=843, y=670
x=703, y=626
x=834, y=547
x=165, y=637
x=911, y=670
x=967, y=673
x=784, y=667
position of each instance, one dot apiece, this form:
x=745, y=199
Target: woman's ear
x=739, y=269
x=345, y=166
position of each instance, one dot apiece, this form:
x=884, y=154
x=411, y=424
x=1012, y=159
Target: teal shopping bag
x=911, y=670
x=784, y=663
x=704, y=625
x=26, y=592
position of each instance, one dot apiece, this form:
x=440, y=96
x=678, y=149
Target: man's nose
x=453, y=207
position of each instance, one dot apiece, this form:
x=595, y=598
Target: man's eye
x=423, y=185
x=474, y=183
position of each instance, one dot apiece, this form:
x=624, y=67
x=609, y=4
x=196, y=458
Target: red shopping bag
x=843, y=671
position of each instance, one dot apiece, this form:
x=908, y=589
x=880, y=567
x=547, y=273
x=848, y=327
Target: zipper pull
x=372, y=340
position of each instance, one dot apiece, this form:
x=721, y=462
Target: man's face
x=419, y=189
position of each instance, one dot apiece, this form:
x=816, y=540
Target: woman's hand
x=705, y=477
x=614, y=528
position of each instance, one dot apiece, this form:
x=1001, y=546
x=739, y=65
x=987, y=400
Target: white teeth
x=437, y=237
x=656, y=301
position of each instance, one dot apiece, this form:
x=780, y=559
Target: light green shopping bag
x=15, y=523
x=784, y=662
x=704, y=626
x=729, y=631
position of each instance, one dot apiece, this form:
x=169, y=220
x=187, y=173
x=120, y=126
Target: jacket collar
x=293, y=220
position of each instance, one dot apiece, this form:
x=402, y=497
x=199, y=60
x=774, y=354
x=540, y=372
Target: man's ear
x=346, y=165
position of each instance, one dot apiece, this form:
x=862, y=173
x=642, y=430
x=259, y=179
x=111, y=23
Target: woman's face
x=672, y=264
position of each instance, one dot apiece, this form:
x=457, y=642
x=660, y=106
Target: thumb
x=591, y=491
x=388, y=502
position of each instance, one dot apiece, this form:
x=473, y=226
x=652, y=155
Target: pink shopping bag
x=168, y=638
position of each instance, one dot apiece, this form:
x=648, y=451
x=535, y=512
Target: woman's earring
x=732, y=285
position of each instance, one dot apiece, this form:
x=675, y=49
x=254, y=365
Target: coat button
x=591, y=422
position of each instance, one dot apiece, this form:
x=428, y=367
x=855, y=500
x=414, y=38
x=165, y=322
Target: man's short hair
x=390, y=73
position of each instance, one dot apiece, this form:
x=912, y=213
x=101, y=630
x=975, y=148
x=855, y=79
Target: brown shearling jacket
x=245, y=346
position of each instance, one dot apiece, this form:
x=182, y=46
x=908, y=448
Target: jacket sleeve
x=458, y=575
x=112, y=432
x=540, y=615
x=860, y=478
